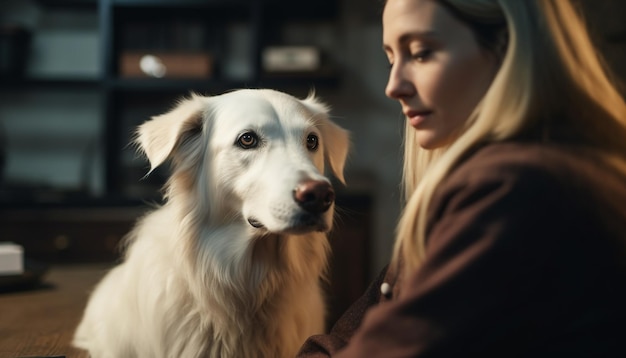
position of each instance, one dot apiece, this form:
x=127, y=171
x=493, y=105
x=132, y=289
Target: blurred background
x=77, y=76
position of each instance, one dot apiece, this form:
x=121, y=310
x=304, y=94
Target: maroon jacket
x=525, y=257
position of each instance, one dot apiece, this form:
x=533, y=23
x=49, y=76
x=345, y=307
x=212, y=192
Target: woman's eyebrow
x=413, y=35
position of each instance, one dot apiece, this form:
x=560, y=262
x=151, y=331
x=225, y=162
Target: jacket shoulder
x=534, y=163
x=530, y=175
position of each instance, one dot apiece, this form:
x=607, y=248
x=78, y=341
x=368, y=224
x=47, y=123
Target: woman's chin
x=428, y=141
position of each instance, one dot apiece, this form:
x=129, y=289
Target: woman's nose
x=398, y=85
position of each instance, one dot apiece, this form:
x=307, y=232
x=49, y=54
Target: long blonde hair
x=550, y=77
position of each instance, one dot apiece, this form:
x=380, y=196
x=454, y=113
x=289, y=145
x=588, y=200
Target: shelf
x=212, y=86
x=74, y=4
x=58, y=199
x=11, y=84
x=302, y=10
x=172, y=85
x=276, y=80
x=168, y=8
x=179, y=3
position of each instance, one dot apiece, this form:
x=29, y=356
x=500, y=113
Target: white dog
x=230, y=265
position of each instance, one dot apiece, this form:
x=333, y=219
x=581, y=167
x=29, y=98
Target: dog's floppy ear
x=158, y=137
x=337, y=143
x=336, y=139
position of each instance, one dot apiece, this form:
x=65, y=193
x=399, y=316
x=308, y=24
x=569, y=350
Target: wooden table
x=41, y=321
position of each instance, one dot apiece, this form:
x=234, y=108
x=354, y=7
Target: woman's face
x=438, y=71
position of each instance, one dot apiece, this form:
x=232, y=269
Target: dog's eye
x=312, y=142
x=248, y=140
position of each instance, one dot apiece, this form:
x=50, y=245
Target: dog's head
x=252, y=155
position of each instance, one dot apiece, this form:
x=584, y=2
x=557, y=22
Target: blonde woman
x=512, y=242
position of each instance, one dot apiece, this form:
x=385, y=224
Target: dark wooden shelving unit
x=262, y=20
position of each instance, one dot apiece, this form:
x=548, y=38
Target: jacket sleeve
x=328, y=344
x=488, y=242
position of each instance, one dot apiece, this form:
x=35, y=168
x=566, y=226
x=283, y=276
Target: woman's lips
x=416, y=118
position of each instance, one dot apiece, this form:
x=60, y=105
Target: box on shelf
x=168, y=65
x=11, y=259
x=291, y=59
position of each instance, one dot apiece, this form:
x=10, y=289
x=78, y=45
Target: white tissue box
x=11, y=259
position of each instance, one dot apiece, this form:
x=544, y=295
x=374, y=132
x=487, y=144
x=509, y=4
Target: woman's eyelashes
x=421, y=55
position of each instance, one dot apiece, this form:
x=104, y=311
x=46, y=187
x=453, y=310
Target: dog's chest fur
x=251, y=304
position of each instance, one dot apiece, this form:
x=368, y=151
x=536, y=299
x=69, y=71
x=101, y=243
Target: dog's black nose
x=314, y=196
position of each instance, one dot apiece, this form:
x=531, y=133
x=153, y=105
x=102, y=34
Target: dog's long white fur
x=198, y=280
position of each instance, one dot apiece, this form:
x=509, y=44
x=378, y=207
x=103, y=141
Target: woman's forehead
x=405, y=20
x=416, y=11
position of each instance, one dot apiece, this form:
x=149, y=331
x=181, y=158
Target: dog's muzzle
x=314, y=197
